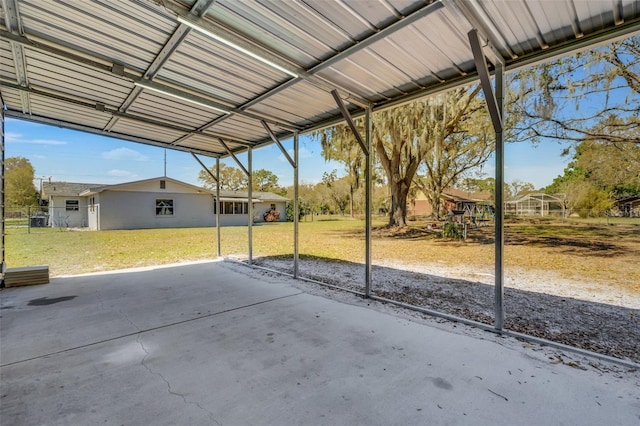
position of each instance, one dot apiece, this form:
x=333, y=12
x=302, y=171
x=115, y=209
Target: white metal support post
x=368, y=191
x=365, y=145
x=216, y=179
x=2, y=197
x=294, y=164
x=218, y=206
x=250, y=206
x=495, y=105
x=248, y=172
x=499, y=210
x=296, y=206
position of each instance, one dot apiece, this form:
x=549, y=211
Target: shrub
x=452, y=230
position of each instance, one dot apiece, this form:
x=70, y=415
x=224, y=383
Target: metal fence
x=38, y=218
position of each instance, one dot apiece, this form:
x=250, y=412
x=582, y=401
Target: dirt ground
x=576, y=286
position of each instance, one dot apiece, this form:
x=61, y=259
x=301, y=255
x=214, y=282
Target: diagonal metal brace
x=244, y=169
x=277, y=142
x=485, y=80
x=206, y=169
x=349, y=120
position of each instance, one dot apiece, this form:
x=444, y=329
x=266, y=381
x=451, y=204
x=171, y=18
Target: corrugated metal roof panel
x=208, y=141
x=47, y=71
x=239, y=128
x=7, y=66
x=12, y=97
x=202, y=142
x=59, y=110
x=374, y=52
x=145, y=130
x=344, y=17
x=267, y=22
x=219, y=70
x=174, y=110
x=101, y=28
x=297, y=104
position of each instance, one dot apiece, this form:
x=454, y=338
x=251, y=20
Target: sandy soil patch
x=539, y=303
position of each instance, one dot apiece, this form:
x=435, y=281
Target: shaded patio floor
x=220, y=343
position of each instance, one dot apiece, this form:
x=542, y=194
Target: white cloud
x=124, y=154
x=12, y=137
x=122, y=173
x=45, y=142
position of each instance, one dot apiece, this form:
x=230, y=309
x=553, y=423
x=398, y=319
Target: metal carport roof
x=189, y=74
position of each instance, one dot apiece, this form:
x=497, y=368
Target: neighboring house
x=628, y=206
x=536, y=204
x=477, y=204
x=152, y=203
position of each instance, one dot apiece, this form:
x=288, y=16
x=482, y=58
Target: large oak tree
x=446, y=135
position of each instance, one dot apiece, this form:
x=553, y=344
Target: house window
x=164, y=207
x=228, y=207
x=92, y=203
x=273, y=206
x=237, y=208
x=72, y=205
x=233, y=207
x=163, y=184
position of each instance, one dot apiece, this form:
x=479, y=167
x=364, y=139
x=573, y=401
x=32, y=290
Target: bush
x=452, y=230
x=303, y=209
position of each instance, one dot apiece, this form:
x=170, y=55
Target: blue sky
x=72, y=156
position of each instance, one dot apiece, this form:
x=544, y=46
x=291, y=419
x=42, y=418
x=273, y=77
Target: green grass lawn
x=606, y=253
x=69, y=252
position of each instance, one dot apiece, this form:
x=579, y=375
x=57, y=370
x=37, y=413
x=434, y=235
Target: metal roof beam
x=252, y=48
x=236, y=159
x=491, y=52
x=485, y=80
x=627, y=29
x=117, y=113
x=362, y=44
x=96, y=131
x=385, y=32
x=347, y=116
x=171, y=45
x=277, y=142
x=211, y=175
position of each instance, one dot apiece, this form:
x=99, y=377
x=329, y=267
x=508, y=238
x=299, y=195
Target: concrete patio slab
x=219, y=343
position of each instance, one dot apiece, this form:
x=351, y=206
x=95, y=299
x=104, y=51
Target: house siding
x=59, y=217
x=137, y=210
x=133, y=205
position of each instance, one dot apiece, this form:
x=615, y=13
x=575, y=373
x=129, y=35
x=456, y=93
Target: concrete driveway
x=220, y=344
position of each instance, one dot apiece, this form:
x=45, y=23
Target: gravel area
x=537, y=303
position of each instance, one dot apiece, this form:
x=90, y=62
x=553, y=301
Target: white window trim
x=173, y=207
x=75, y=206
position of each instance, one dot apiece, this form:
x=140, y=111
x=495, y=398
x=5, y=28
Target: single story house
x=160, y=202
x=628, y=206
x=477, y=204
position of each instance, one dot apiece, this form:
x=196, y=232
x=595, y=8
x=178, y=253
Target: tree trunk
x=434, y=199
x=351, y=200
x=399, y=195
